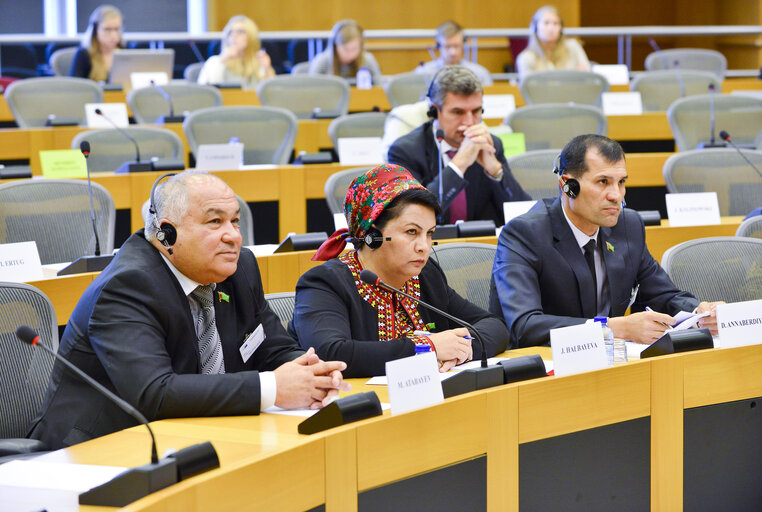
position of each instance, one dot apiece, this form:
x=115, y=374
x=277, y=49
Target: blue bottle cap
x=421, y=348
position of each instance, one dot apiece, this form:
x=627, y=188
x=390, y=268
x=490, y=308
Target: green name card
x=513, y=144
x=63, y=163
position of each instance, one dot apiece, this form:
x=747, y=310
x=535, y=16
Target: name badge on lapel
x=252, y=343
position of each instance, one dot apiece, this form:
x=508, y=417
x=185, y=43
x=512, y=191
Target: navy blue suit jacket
x=541, y=280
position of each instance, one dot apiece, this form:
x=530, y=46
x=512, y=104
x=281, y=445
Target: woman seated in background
x=103, y=36
x=345, y=54
x=391, y=219
x=241, y=60
x=548, y=48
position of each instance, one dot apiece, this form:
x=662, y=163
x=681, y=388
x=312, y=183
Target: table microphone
x=84, y=147
x=726, y=137
x=136, y=166
x=171, y=118
x=440, y=138
x=711, y=143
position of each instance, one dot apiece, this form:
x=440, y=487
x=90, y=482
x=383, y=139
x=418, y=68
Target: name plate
x=414, y=382
x=116, y=112
x=360, y=151
x=219, y=157
x=140, y=79
x=622, y=103
x=513, y=144
x=512, y=209
x=616, y=74
x=739, y=324
x=694, y=209
x=498, y=106
x=20, y=262
x=63, y=163
x=578, y=349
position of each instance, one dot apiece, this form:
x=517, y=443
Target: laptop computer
x=127, y=62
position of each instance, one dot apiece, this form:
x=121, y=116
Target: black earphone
x=372, y=238
x=166, y=234
x=571, y=186
x=432, y=112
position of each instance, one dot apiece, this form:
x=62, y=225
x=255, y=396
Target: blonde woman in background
x=103, y=35
x=548, y=48
x=242, y=59
x=345, y=54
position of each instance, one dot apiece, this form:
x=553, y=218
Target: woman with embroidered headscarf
x=391, y=219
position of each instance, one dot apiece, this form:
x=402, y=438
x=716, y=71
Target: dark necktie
x=210, y=347
x=590, y=258
x=458, y=207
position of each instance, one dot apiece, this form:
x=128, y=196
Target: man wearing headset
x=476, y=179
x=177, y=325
x=450, y=43
x=583, y=255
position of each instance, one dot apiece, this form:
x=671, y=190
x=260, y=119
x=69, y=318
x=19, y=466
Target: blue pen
x=665, y=325
x=427, y=333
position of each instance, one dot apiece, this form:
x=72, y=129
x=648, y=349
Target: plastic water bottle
x=364, y=79
x=608, y=338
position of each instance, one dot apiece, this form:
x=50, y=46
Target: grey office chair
x=109, y=148
x=721, y=170
x=740, y=116
x=60, y=60
x=658, y=89
x=56, y=215
x=148, y=104
x=33, y=100
x=301, y=68
x=552, y=125
x=336, y=187
x=191, y=72
x=468, y=268
x=717, y=268
x=406, y=88
x=267, y=133
x=282, y=305
x=564, y=85
x=303, y=94
x=688, y=58
x=24, y=369
x=534, y=172
x=751, y=227
x=365, y=124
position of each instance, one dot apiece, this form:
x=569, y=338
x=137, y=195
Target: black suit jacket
x=331, y=316
x=133, y=332
x=541, y=280
x=417, y=152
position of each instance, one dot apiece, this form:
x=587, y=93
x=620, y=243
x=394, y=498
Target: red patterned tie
x=458, y=207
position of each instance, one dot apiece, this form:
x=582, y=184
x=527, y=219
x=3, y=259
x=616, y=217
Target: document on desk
x=685, y=320
x=31, y=485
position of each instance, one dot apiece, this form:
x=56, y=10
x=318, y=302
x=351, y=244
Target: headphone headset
x=166, y=234
x=571, y=185
x=372, y=238
x=433, y=111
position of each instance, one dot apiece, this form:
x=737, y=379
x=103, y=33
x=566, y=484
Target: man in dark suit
x=179, y=327
x=583, y=255
x=476, y=180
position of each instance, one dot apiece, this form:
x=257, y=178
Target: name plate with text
x=414, y=382
x=578, y=349
x=360, y=151
x=20, y=262
x=693, y=209
x=219, y=157
x=116, y=112
x=739, y=324
x=622, y=103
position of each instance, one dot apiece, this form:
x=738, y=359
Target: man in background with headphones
x=583, y=255
x=450, y=43
x=177, y=325
x=476, y=180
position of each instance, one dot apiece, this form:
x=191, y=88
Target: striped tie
x=210, y=347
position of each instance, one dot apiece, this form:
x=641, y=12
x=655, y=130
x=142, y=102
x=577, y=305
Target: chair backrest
x=563, y=86
x=301, y=68
x=688, y=58
x=33, y=100
x=191, y=72
x=336, y=187
x=364, y=124
x=148, y=104
x=302, y=94
x=267, y=133
x=721, y=170
x=751, y=227
x=56, y=215
x=552, y=125
x=60, y=60
x=24, y=369
x=739, y=115
x=659, y=89
x=717, y=268
x=109, y=148
x=468, y=268
x=406, y=88
x=534, y=172
x=282, y=305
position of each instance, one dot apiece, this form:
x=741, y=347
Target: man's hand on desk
x=309, y=382
x=643, y=327
x=710, y=322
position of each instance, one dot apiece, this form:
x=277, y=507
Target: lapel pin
x=609, y=246
x=223, y=296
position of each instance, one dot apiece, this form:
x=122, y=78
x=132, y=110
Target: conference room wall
x=20, y=17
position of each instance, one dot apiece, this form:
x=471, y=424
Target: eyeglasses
x=110, y=30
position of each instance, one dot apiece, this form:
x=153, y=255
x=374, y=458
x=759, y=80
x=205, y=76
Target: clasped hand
x=309, y=382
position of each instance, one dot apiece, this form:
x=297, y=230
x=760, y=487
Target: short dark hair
x=393, y=210
x=572, y=158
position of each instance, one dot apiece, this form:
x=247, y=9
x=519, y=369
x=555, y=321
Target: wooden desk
x=282, y=470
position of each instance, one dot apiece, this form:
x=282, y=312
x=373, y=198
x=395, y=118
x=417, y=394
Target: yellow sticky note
x=63, y=163
x=513, y=144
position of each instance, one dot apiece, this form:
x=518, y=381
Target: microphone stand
x=171, y=118
x=711, y=143
x=726, y=137
x=126, y=167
